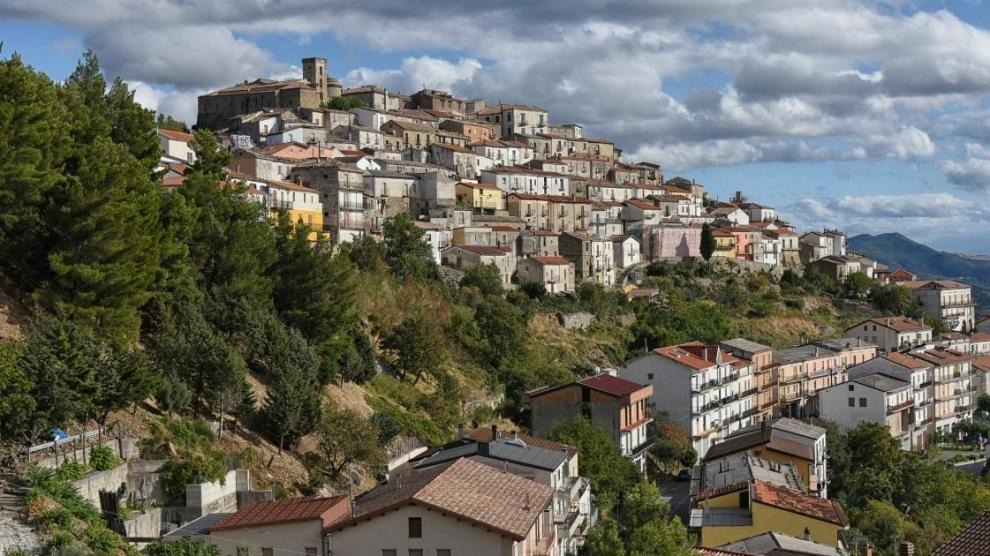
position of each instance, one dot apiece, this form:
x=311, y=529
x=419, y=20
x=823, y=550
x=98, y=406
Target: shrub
x=190, y=470
x=71, y=471
x=102, y=458
x=56, y=518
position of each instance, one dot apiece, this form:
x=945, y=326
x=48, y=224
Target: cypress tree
x=707, y=241
x=292, y=408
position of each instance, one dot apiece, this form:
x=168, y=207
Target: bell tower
x=315, y=72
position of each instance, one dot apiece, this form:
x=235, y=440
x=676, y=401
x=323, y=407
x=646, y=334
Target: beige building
x=341, y=191
x=556, y=213
x=515, y=118
x=464, y=507
x=556, y=274
x=593, y=257
x=947, y=300
x=175, y=146
x=484, y=198
x=464, y=257
x=442, y=101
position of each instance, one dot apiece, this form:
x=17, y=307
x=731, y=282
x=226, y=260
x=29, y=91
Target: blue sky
x=872, y=116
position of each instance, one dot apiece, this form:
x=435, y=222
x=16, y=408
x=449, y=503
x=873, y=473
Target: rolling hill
x=897, y=251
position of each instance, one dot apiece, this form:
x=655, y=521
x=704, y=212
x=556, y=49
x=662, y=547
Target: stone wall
x=91, y=485
x=580, y=320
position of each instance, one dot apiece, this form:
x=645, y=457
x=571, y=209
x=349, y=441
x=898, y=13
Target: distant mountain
x=898, y=251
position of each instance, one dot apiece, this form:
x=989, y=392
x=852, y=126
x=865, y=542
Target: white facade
x=504, y=153
x=520, y=180
x=856, y=402
x=710, y=399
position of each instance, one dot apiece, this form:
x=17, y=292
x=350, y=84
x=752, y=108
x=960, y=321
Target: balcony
x=749, y=392
x=351, y=206
x=899, y=407
x=963, y=408
x=542, y=547
x=282, y=204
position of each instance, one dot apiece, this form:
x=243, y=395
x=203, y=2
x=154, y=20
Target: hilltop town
x=477, y=330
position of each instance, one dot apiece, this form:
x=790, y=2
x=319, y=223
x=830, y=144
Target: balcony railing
x=899, y=407
x=749, y=392
x=963, y=408
x=543, y=547
x=351, y=206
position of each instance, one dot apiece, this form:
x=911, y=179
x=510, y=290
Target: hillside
x=898, y=251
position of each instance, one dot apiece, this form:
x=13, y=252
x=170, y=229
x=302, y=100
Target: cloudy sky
x=872, y=116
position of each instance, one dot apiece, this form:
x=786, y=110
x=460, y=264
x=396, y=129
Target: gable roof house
x=461, y=507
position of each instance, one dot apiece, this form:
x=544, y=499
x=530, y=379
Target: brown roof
x=901, y=274
x=974, y=540
x=900, y=323
x=484, y=434
x=480, y=185
x=176, y=135
x=604, y=382
x=798, y=502
x=705, y=551
x=941, y=356
x=982, y=362
x=645, y=205
x=469, y=490
x=739, y=443
x=906, y=360
x=286, y=511
x=680, y=355
x=553, y=198
x=550, y=260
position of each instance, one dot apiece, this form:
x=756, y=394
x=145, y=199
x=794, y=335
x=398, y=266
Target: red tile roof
x=487, y=250
x=680, y=355
x=906, y=360
x=982, y=362
x=899, y=323
x=798, y=502
x=974, y=540
x=480, y=185
x=940, y=356
x=705, y=551
x=176, y=135
x=613, y=385
x=468, y=490
x=286, y=511
x=645, y=205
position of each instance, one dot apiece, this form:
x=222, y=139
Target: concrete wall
x=145, y=525
x=126, y=448
x=286, y=539
x=91, y=485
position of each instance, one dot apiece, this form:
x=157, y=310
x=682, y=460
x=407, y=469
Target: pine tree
x=314, y=290
x=123, y=378
x=16, y=403
x=34, y=142
x=707, y=247
x=292, y=408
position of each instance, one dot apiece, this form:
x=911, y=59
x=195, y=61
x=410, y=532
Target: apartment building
x=609, y=402
x=918, y=374
x=761, y=358
x=873, y=398
x=892, y=333
x=950, y=301
x=703, y=388
x=341, y=192
x=800, y=372
x=954, y=386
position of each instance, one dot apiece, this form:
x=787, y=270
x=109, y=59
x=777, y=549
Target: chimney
x=495, y=432
x=906, y=549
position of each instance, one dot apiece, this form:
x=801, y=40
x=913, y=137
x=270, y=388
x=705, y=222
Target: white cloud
x=972, y=174
x=417, y=73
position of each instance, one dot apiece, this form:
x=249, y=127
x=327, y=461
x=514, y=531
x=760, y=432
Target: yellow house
x=767, y=444
x=725, y=244
x=484, y=198
x=735, y=512
x=301, y=202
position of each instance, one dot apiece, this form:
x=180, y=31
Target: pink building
x=671, y=241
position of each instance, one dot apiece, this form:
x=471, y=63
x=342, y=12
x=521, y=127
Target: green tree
x=123, y=378
x=502, y=327
x=673, y=448
x=314, y=290
x=417, y=347
x=60, y=360
x=604, y=539
x=357, y=362
x=484, y=277
x=707, y=241
x=894, y=299
x=858, y=285
x=406, y=251
x=173, y=396
x=983, y=403
x=291, y=409
x=166, y=121
x=16, y=403
x=345, y=439
x=34, y=142
x=601, y=460
x=344, y=103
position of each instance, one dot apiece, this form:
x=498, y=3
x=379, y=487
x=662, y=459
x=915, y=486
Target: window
x=415, y=552
x=388, y=552
x=443, y=552
x=649, y=376
x=852, y=402
x=862, y=402
x=310, y=551
x=415, y=527
x=266, y=551
x=851, y=387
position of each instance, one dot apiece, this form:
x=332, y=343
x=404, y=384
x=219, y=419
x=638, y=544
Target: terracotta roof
x=739, y=443
x=940, y=356
x=613, y=385
x=176, y=135
x=469, y=490
x=901, y=274
x=645, y=205
x=553, y=198
x=906, y=360
x=705, y=551
x=550, y=260
x=799, y=503
x=286, y=511
x=971, y=541
x=680, y=355
x=982, y=362
x=899, y=323
x=173, y=181
x=480, y=185
x=484, y=434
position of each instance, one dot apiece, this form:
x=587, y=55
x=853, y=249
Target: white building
x=515, y=179
x=709, y=392
x=918, y=374
x=175, y=146
x=874, y=398
x=950, y=301
x=892, y=333
x=503, y=153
